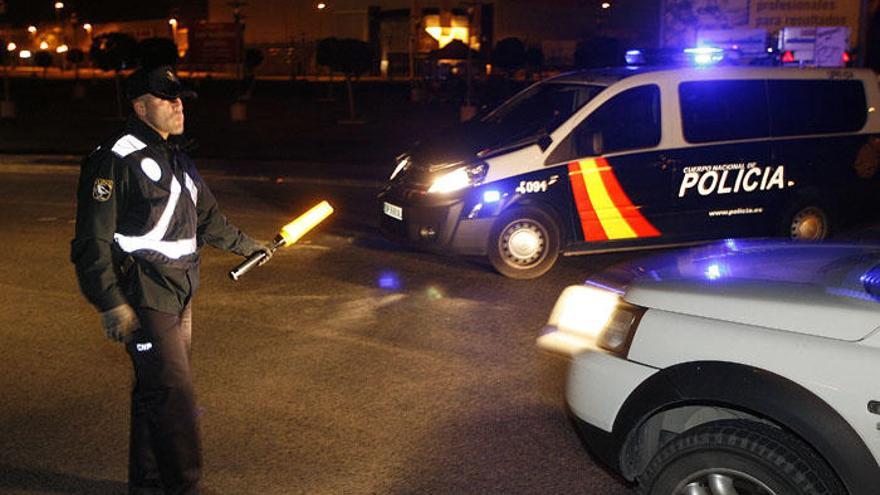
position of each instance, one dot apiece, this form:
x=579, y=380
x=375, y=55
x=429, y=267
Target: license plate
x=392, y=211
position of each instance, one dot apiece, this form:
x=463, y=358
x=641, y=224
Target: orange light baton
x=289, y=234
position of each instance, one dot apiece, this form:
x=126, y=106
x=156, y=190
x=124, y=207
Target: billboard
x=682, y=20
x=214, y=43
x=774, y=15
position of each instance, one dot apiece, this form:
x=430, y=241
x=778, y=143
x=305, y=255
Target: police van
x=632, y=158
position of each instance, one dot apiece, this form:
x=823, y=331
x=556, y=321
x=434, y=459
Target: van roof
x=603, y=77
x=610, y=75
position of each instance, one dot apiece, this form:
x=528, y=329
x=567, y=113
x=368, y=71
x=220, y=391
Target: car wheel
x=737, y=457
x=808, y=223
x=524, y=243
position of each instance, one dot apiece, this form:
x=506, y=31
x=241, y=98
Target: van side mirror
x=597, y=143
x=544, y=142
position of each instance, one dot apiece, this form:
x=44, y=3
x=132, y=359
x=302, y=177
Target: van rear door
x=815, y=124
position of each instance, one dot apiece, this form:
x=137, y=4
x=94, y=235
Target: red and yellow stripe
x=605, y=210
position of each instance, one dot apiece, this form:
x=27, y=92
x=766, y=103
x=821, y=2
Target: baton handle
x=246, y=265
x=254, y=259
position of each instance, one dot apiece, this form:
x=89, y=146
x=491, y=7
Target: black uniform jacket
x=143, y=212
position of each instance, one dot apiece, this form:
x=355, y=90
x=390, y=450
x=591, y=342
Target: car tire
x=807, y=221
x=524, y=243
x=753, y=457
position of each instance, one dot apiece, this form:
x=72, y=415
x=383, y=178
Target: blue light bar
x=634, y=57
x=705, y=55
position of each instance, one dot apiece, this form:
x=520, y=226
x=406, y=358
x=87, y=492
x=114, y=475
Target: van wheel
x=524, y=243
x=737, y=456
x=808, y=223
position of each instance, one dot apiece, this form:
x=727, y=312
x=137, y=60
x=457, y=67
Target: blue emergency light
x=634, y=57
x=491, y=196
x=871, y=281
x=704, y=55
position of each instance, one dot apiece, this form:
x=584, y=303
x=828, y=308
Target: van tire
x=524, y=243
x=758, y=457
x=807, y=221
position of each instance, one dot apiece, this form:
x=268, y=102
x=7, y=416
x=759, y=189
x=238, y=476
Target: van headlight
x=403, y=161
x=587, y=318
x=459, y=178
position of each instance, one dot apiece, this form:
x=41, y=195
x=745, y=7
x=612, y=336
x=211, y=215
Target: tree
x=5, y=60
x=349, y=56
x=153, y=52
x=509, y=55
x=326, y=52
x=355, y=58
x=114, y=52
x=75, y=56
x=43, y=59
x=599, y=51
x=535, y=59
x=253, y=57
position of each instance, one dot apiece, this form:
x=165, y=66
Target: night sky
x=23, y=12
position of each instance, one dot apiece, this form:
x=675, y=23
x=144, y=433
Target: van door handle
x=667, y=163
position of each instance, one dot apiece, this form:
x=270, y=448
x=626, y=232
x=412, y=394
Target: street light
x=173, y=23
x=606, y=5
x=61, y=49
x=322, y=6
x=11, y=47
x=44, y=45
x=32, y=29
x=87, y=27
x=58, y=7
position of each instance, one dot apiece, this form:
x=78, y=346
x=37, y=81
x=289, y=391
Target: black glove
x=119, y=322
x=264, y=247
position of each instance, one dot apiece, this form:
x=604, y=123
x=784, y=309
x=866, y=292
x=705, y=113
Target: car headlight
x=588, y=317
x=459, y=178
x=403, y=161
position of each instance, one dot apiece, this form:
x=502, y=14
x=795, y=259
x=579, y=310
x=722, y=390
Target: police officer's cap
x=161, y=82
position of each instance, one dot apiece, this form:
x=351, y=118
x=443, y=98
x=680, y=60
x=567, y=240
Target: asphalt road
x=345, y=365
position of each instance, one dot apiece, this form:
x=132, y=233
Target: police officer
x=143, y=213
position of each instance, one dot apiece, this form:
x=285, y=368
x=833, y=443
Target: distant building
x=288, y=30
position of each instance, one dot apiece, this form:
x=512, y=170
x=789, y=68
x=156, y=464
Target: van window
x=723, y=110
x=800, y=107
x=629, y=120
x=541, y=108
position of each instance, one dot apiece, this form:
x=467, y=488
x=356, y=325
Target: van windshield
x=542, y=108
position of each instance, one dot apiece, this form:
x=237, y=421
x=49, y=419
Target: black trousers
x=164, y=447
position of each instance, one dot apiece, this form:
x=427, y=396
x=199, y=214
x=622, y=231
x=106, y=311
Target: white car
x=736, y=368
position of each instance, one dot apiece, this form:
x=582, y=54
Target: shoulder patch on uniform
x=102, y=189
x=127, y=145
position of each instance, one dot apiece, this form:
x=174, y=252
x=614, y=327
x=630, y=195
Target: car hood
x=826, y=290
x=464, y=143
